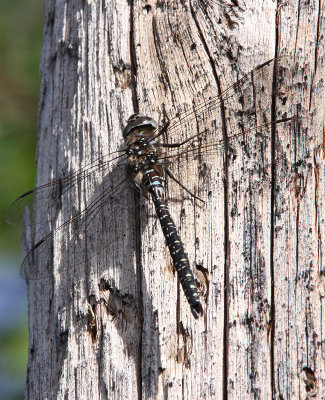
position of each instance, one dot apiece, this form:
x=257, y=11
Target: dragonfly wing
x=77, y=240
x=204, y=156
x=238, y=120
x=211, y=111
x=52, y=194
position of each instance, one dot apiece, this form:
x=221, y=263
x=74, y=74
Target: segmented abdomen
x=176, y=248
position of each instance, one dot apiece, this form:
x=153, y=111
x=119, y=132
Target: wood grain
x=119, y=327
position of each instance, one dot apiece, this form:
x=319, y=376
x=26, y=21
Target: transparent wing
x=191, y=124
x=236, y=119
x=52, y=193
x=202, y=159
x=72, y=200
x=79, y=239
x=189, y=151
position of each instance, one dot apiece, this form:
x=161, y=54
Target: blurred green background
x=20, y=46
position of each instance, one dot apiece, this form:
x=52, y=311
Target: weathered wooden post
x=118, y=326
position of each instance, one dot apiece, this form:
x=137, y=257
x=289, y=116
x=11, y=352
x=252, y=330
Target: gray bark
x=119, y=327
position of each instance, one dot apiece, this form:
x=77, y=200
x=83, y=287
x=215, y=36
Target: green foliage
x=20, y=46
x=13, y=344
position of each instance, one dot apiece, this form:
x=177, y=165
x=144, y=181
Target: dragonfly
x=70, y=207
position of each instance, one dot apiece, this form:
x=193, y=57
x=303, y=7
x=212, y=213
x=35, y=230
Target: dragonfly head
x=137, y=121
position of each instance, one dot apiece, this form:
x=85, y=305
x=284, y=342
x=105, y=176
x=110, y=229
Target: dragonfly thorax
x=143, y=151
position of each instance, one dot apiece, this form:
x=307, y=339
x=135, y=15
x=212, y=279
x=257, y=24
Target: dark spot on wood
x=248, y=320
x=63, y=337
x=230, y=22
x=232, y=323
x=230, y=55
x=113, y=386
x=179, y=356
x=202, y=281
x=92, y=318
x=203, y=172
x=310, y=381
x=122, y=74
x=70, y=49
x=183, y=353
x=147, y=8
x=104, y=284
x=233, y=211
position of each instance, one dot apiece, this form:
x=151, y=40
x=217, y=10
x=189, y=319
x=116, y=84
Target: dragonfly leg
x=172, y=176
x=178, y=144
